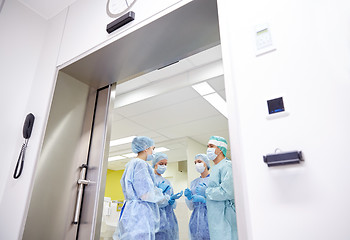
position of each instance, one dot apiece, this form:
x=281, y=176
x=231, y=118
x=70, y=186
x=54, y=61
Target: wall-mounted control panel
x=263, y=39
x=276, y=108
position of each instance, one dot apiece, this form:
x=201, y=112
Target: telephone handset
x=28, y=126
x=27, y=132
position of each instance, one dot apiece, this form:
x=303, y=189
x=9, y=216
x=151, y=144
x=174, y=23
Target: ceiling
x=47, y=8
x=170, y=116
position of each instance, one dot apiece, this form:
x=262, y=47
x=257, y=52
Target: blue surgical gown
x=169, y=229
x=140, y=217
x=220, y=202
x=198, y=225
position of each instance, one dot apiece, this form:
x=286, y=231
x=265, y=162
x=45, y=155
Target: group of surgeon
x=148, y=211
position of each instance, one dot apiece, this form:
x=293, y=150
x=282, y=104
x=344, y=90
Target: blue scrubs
x=198, y=225
x=220, y=202
x=169, y=228
x=140, y=219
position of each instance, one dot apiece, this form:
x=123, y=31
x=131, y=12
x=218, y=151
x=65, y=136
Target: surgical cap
x=158, y=156
x=220, y=142
x=141, y=143
x=204, y=158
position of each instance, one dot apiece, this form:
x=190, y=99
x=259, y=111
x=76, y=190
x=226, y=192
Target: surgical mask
x=150, y=157
x=200, y=167
x=161, y=169
x=211, y=153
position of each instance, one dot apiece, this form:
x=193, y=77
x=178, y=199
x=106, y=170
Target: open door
x=68, y=180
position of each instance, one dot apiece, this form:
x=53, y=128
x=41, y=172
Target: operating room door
x=69, y=180
x=89, y=221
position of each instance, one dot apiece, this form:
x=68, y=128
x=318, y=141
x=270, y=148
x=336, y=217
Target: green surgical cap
x=220, y=142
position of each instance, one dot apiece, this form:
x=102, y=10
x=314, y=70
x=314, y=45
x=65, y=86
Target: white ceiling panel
x=130, y=85
x=172, y=70
x=176, y=114
x=209, y=125
x=217, y=83
x=125, y=128
x=116, y=116
x=210, y=55
x=157, y=102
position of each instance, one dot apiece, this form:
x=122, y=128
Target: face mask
x=211, y=153
x=200, y=167
x=161, y=169
x=150, y=157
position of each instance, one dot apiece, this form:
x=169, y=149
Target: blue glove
x=171, y=201
x=188, y=194
x=200, y=190
x=176, y=196
x=165, y=187
x=198, y=198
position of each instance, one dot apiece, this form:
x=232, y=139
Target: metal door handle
x=81, y=182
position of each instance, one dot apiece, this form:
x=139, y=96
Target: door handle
x=81, y=182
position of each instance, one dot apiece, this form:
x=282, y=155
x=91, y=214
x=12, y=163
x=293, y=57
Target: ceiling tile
x=157, y=102
x=210, y=55
x=208, y=125
x=176, y=114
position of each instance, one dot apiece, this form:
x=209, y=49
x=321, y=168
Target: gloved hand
x=198, y=198
x=171, y=201
x=200, y=190
x=176, y=196
x=164, y=186
x=188, y=194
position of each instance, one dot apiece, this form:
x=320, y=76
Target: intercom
x=27, y=132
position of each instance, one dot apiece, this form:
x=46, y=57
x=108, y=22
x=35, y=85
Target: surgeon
x=139, y=217
x=198, y=225
x=219, y=193
x=169, y=229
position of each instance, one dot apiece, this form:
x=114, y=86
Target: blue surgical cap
x=204, y=158
x=158, y=156
x=141, y=143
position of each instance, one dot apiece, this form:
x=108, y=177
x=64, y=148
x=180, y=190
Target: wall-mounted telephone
x=27, y=131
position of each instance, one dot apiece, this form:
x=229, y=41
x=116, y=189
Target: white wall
x=87, y=21
x=29, y=50
x=311, y=69
x=20, y=50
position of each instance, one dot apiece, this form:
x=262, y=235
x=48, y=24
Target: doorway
x=178, y=118
x=182, y=33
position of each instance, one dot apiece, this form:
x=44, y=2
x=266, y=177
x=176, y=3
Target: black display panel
x=275, y=105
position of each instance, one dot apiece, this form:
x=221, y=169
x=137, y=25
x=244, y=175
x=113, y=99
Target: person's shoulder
x=137, y=162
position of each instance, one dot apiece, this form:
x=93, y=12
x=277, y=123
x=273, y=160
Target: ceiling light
x=203, y=88
x=115, y=158
x=121, y=141
x=161, y=149
x=130, y=155
x=218, y=102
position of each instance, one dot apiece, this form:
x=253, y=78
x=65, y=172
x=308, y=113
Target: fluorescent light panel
x=121, y=141
x=203, y=88
x=130, y=155
x=218, y=102
x=115, y=158
x=161, y=149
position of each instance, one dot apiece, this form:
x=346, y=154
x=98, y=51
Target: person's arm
x=144, y=187
x=225, y=190
x=189, y=204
